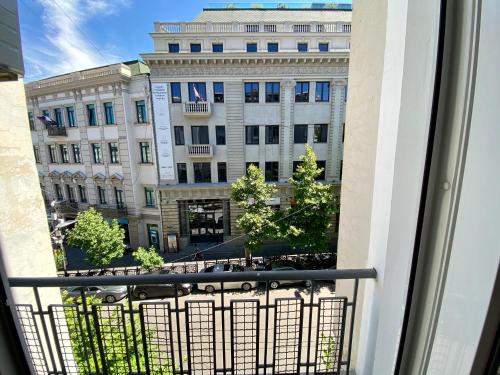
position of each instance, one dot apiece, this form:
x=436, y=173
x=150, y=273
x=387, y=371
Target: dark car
x=161, y=290
x=285, y=266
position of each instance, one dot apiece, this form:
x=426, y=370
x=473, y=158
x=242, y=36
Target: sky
x=62, y=36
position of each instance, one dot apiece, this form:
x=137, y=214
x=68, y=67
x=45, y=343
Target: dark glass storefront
x=204, y=220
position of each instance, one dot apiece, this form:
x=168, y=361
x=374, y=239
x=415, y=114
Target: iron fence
x=289, y=331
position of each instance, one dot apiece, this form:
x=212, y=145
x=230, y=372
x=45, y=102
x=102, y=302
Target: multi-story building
x=241, y=86
x=99, y=150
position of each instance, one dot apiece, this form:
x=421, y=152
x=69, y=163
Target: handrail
x=363, y=273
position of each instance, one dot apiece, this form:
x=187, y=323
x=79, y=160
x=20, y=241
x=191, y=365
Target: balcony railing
x=198, y=109
x=54, y=131
x=111, y=210
x=293, y=331
x=199, y=151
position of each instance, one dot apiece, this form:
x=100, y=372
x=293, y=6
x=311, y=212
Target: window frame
x=252, y=139
x=320, y=98
x=200, y=167
x=119, y=198
x=323, y=133
x=175, y=99
x=218, y=44
x=150, y=199
x=174, y=48
x=76, y=160
x=220, y=139
x=302, y=44
x=140, y=111
x=202, y=90
x=218, y=96
x=273, y=44
x=82, y=193
x=179, y=138
x=251, y=94
x=36, y=152
x=91, y=114
x=200, y=135
x=114, y=152
x=295, y=135
x=64, y=152
x=252, y=44
x=52, y=154
x=191, y=45
x=96, y=151
x=270, y=140
x=271, y=174
x=302, y=95
x=271, y=95
x=109, y=113
x=58, y=192
x=71, y=115
x=58, y=117
x=182, y=171
x=101, y=194
x=71, y=193
x=322, y=176
x=145, y=151
x=322, y=44
x=31, y=120
x=219, y=170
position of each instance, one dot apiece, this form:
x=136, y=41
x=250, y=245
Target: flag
x=197, y=94
x=47, y=121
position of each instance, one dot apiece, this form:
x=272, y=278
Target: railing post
x=44, y=328
x=351, y=328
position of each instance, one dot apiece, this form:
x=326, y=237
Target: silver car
x=109, y=294
x=211, y=286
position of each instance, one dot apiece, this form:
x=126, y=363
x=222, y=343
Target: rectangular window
x=173, y=47
x=320, y=133
x=323, y=47
x=101, y=192
x=302, y=92
x=195, y=47
x=119, y=198
x=272, y=171
x=217, y=47
x=114, y=155
x=272, y=92
x=150, y=197
x=251, y=92
x=37, y=154
x=302, y=47
x=76, y=153
x=272, y=134
x=52, y=154
x=321, y=164
x=179, y=135
x=45, y=112
x=201, y=89
x=199, y=135
x=249, y=163
x=145, y=152
x=343, y=132
x=300, y=134
x=175, y=92
x=296, y=165
x=251, y=47
x=109, y=116
x=96, y=151
x=252, y=135
x=58, y=191
x=70, y=112
x=58, y=118
x=221, y=172
x=182, y=173
x=218, y=92
x=140, y=108
x=71, y=193
x=63, y=149
x=91, y=115
x=341, y=167
x=322, y=91
x=220, y=135
x=82, y=191
x=202, y=172
x=31, y=120
x=272, y=47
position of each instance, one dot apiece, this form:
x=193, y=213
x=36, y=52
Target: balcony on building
x=56, y=131
x=200, y=151
x=112, y=211
x=197, y=109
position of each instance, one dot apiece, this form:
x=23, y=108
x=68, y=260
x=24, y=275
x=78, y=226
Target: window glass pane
x=220, y=135
x=195, y=47
x=217, y=47
x=64, y=153
x=83, y=193
x=182, y=173
x=252, y=135
x=200, y=89
x=179, y=135
x=302, y=47
x=113, y=153
x=70, y=112
x=140, y=107
x=272, y=47
x=322, y=91
x=175, y=92
x=150, y=197
x=108, y=113
x=145, y=152
x=202, y=172
x=222, y=172
x=173, y=47
x=91, y=116
x=296, y=165
x=272, y=134
x=218, y=92
x=199, y=135
x=76, y=153
x=321, y=164
x=300, y=134
x=323, y=47
x=320, y=133
x=52, y=154
x=302, y=92
x=272, y=171
x=251, y=47
x=58, y=117
x=272, y=92
x=31, y=120
x=96, y=149
x=251, y=92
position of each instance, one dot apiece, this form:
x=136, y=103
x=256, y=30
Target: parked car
x=161, y=290
x=217, y=268
x=108, y=294
x=285, y=266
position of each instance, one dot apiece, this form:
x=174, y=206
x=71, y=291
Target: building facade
x=242, y=86
x=100, y=150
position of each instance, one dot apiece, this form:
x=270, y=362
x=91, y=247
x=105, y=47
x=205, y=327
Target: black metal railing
x=297, y=330
x=56, y=131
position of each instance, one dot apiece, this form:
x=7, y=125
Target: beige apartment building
x=99, y=150
x=237, y=86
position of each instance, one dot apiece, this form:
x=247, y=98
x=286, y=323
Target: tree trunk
x=248, y=257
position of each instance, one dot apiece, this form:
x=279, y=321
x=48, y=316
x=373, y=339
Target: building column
x=337, y=118
x=286, y=129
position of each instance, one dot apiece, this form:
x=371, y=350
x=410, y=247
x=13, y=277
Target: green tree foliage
x=148, y=258
x=250, y=193
x=101, y=241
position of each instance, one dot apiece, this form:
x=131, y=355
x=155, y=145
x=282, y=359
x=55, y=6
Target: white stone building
x=240, y=86
x=101, y=151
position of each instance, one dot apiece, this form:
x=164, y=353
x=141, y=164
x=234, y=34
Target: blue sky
x=61, y=36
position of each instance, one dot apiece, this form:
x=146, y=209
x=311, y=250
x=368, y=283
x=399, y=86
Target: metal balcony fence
x=271, y=332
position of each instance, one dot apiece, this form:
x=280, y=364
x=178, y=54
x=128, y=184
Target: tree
x=250, y=193
x=148, y=258
x=101, y=241
x=315, y=203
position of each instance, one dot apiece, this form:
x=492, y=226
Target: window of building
x=179, y=135
x=271, y=171
x=145, y=152
x=76, y=153
x=202, y=172
x=218, y=92
x=36, y=151
x=321, y=164
x=251, y=92
x=119, y=198
x=91, y=115
x=300, y=134
x=150, y=196
x=217, y=47
x=343, y=132
x=113, y=153
x=175, y=92
x=173, y=47
x=251, y=47
x=140, y=109
x=58, y=191
x=272, y=92
x=302, y=92
x=70, y=113
x=201, y=89
x=272, y=134
x=252, y=135
x=322, y=91
x=45, y=112
x=222, y=172
x=323, y=47
x=249, y=163
x=341, y=167
x=31, y=120
x=58, y=117
x=296, y=165
x=101, y=193
x=71, y=193
x=302, y=47
x=109, y=116
x=195, y=47
x=320, y=133
x=272, y=47
x=96, y=151
x=220, y=135
x=182, y=173
x=199, y=135
x=52, y=154
x=82, y=191
x=63, y=149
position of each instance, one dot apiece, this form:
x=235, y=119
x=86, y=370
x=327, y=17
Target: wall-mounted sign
x=163, y=133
